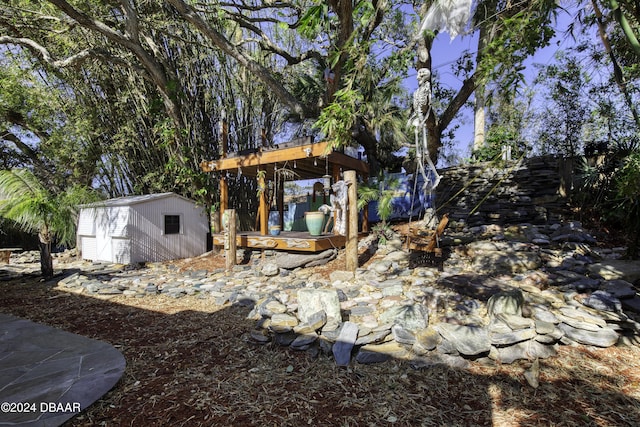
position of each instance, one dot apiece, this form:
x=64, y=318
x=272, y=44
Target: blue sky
x=446, y=51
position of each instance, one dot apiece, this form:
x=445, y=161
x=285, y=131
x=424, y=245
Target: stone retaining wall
x=532, y=191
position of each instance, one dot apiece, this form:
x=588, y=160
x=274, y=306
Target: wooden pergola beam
x=266, y=159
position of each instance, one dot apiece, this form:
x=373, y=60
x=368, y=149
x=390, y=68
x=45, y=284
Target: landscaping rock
x=312, y=301
x=467, y=340
x=602, y=337
x=344, y=344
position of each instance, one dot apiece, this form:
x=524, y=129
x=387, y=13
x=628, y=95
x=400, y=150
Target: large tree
x=339, y=63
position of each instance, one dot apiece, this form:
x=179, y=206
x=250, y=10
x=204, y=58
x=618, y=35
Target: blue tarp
x=405, y=203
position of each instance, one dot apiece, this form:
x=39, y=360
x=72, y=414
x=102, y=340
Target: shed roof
x=133, y=200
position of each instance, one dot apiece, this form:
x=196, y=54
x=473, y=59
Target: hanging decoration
x=449, y=15
x=421, y=110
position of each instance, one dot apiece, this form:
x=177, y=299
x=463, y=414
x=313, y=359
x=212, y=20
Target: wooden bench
x=5, y=254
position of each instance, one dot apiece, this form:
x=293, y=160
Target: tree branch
x=153, y=67
x=41, y=52
x=243, y=59
x=266, y=43
x=468, y=86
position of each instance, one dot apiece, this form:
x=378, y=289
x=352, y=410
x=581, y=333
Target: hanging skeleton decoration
x=421, y=110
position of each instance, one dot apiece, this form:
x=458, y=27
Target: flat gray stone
x=427, y=339
x=283, y=322
x=632, y=304
x=514, y=321
x=270, y=269
x=506, y=302
x=514, y=262
x=529, y=350
x=468, y=340
x=604, y=337
x=290, y=261
x=341, y=275
x=619, y=288
x=402, y=335
x=303, y=342
x=40, y=364
x=315, y=322
x=368, y=357
x=373, y=337
x=513, y=337
x=580, y=315
x=344, y=344
x=603, y=301
x=628, y=270
x=411, y=317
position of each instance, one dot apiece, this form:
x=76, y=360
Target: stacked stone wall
x=532, y=191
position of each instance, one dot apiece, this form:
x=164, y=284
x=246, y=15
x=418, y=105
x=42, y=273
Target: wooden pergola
x=308, y=160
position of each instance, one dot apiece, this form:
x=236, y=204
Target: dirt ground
x=191, y=363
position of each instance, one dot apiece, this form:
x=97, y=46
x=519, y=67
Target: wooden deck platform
x=286, y=240
x=5, y=254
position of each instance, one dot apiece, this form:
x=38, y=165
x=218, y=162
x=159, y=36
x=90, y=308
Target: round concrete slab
x=48, y=375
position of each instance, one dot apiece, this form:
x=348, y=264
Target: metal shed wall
x=116, y=231
x=146, y=230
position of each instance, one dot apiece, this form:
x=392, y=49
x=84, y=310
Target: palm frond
x=19, y=184
x=24, y=200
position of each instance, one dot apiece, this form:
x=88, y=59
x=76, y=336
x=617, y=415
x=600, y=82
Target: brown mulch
x=191, y=363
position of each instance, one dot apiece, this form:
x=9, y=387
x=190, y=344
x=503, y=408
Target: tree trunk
x=487, y=32
x=46, y=260
x=479, y=122
x=617, y=70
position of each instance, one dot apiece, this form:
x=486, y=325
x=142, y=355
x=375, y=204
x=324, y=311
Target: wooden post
x=230, y=238
x=224, y=196
x=351, y=250
x=263, y=208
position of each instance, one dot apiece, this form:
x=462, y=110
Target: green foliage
x=338, y=119
x=26, y=201
x=383, y=232
x=313, y=20
x=382, y=191
x=518, y=34
x=149, y=102
x=499, y=137
x=627, y=186
x=568, y=108
x=36, y=210
x=34, y=110
x=611, y=193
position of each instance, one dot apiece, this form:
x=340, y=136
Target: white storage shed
x=147, y=228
